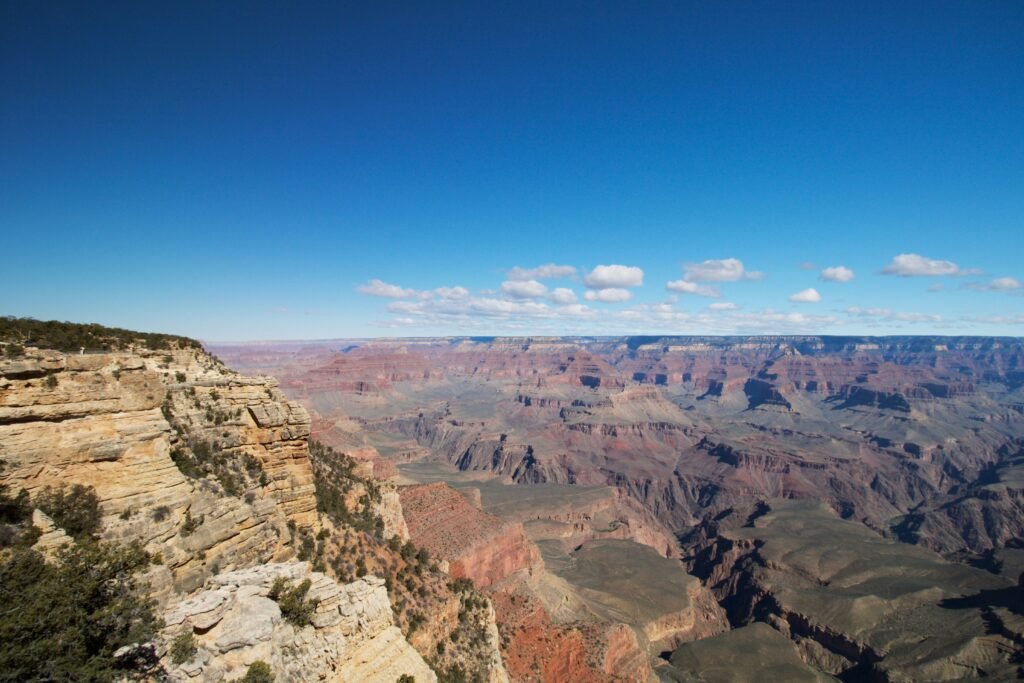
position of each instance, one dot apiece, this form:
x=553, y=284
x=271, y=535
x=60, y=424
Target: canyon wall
x=135, y=426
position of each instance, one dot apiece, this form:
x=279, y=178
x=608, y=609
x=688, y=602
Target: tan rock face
x=51, y=538
x=112, y=422
x=97, y=420
x=476, y=545
x=352, y=636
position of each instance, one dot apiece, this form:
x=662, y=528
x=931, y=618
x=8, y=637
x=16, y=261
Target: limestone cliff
x=211, y=471
x=235, y=621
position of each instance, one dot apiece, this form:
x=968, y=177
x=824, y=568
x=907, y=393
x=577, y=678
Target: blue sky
x=251, y=171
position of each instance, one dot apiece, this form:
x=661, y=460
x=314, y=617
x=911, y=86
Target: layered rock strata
x=351, y=637
x=126, y=424
x=475, y=545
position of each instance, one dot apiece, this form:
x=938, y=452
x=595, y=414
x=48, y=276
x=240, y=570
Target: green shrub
x=258, y=672
x=15, y=519
x=455, y=674
x=292, y=601
x=191, y=524
x=235, y=472
x=183, y=648
x=70, y=616
x=75, y=510
x=50, y=382
x=14, y=509
x=306, y=547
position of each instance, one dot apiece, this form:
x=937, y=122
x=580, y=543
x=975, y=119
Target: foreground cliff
x=211, y=473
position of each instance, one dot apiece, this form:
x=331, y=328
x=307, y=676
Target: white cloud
x=576, y=311
x=722, y=306
x=1003, y=284
x=489, y=313
x=609, y=295
x=452, y=292
x=407, y=307
x=384, y=289
x=915, y=265
x=662, y=318
x=890, y=315
x=562, y=295
x=685, y=287
x=614, y=277
x=396, y=322
x=381, y=288
x=549, y=271
x=996, y=320
x=837, y=274
x=806, y=296
x=719, y=270
x=523, y=289
x=503, y=307
x=1000, y=284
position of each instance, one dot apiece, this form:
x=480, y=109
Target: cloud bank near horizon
x=603, y=298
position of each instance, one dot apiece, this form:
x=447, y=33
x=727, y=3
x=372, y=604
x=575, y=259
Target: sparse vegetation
x=190, y=524
x=416, y=587
x=334, y=478
x=258, y=672
x=70, y=337
x=199, y=458
x=183, y=648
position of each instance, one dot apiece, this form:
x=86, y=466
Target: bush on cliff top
x=65, y=336
x=292, y=600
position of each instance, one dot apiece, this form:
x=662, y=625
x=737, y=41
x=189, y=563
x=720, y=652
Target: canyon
x=266, y=549
x=715, y=455
x=557, y=509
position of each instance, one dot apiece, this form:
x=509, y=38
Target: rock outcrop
x=234, y=621
x=101, y=420
x=475, y=545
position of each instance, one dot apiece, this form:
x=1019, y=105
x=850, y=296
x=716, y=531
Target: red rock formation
x=537, y=650
x=476, y=545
